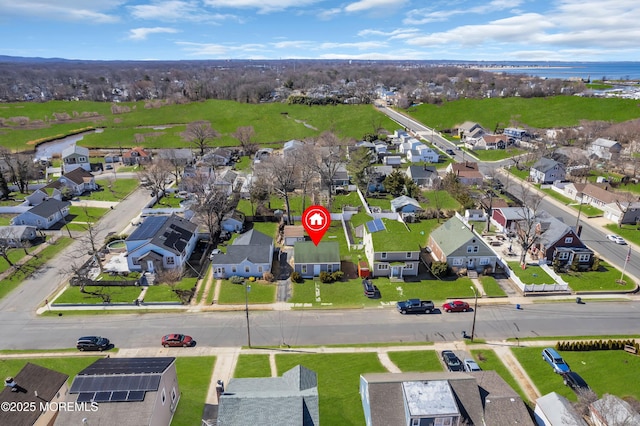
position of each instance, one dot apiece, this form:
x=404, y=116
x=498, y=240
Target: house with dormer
x=547, y=170
x=391, y=248
x=250, y=255
x=74, y=157
x=605, y=149
x=470, y=130
x=457, y=244
x=78, y=181
x=161, y=242
x=136, y=155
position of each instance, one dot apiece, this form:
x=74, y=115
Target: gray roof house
x=610, y=410
x=275, y=401
x=250, y=255
x=423, y=175
x=405, y=204
x=458, y=245
x=75, y=156
x=15, y=235
x=34, y=385
x=553, y=409
x=547, y=170
x=45, y=215
x=127, y=391
x=479, y=398
x=557, y=239
x=161, y=242
x=605, y=149
x=78, y=181
x=309, y=260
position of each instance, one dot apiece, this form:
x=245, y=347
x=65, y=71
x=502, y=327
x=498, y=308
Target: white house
x=250, y=255
x=422, y=153
x=161, y=242
x=605, y=149
x=409, y=145
x=392, y=160
x=75, y=156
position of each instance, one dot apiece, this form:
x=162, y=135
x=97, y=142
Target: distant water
x=566, y=70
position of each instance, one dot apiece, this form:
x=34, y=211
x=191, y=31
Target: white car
x=213, y=253
x=616, y=239
x=470, y=365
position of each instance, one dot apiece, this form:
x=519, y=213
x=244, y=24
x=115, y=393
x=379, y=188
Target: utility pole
x=247, y=289
x=475, y=310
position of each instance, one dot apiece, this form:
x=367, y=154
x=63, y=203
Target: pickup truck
x=415, y=306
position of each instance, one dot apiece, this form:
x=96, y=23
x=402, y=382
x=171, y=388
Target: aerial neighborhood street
x=443, y=254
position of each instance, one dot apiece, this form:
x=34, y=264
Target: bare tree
x=20, y=169
x=212, y=207
x=330, y=157
x=259, y=193
x=281, y=173
x=156, y=176
x=200, y=134
x=527, y=232
x=90, y=238
x=306, y=172
x=244, y=135
x=5, y=247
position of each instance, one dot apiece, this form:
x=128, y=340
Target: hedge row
x=597, y=345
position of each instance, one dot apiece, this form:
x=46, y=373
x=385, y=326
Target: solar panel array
x=114, y=383
x=375, y=225
x=119, y=396
x=128, y=366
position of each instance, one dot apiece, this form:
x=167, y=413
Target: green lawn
x=5, y=219
x=244, y=164
x=591, y=365
x=194, y=379
x=488, y=360
x=398, y=237
x=531, y=275
x=166, y=293
x=496, y=154
x=117, y=294
x=491, y=287
x=585, y=210
x=85, y=214
x=628, y=232
x=70, y=366
x=252, y=366
x=113, y=190
x=14, y=254
x=267, y=228
x=520, y=173
x=602, y=280
x=338, y=382
x=349, y=293
x=245, y=207
x=351, y=199
x=168, y=201
x=234, y=294
x=25, y=271
x=416, y=361
x=440, y=198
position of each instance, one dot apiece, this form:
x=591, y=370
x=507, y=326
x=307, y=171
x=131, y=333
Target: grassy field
x=194, y=379
x=234, y=294
x=531, y=275
x=112, y=190
x=491, y=287
x=558, y=111
x=601, y=280
x=252, y=366
x=117, y=295
x=273, y=123
x=166, y=293
x=496, y=154
x=416, y=360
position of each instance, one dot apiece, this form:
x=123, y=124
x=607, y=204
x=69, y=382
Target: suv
x=370, y=290
x=451, y=361
x=470, y=365
x=93, y=343
x=555, y=360
x=575, y=382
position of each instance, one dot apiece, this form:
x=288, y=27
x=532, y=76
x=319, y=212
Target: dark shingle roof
x=78, y=175
x=545, y=164
x=49, y=207
x=170, y=232
x=252, y=237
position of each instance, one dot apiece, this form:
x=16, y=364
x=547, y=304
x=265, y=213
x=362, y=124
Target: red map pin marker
x=316, y=221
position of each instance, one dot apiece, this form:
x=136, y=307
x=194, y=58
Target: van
x=555, y=360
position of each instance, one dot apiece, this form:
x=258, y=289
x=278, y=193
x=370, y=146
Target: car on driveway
x=370, y=290
x=455, y=306
x=470, y=365
x=177, y=340
x=616, y=239
x=213, y=253
x=93, y=343
x=575, y=382
x=555, y=360
x=451, y=361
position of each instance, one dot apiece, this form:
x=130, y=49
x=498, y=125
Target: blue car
x=555, y=360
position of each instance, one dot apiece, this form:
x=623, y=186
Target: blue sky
x=547, y=30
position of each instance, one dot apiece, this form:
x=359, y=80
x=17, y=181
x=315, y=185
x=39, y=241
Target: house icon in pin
x=316, y=220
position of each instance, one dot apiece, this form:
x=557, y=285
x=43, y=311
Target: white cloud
x=143, y=33
x=400, y=33
x=213, y=50
x=358, y=46
x=62, y=10
x=363, y=5
x=427, y=15
x=263, y=6
x=177, y=11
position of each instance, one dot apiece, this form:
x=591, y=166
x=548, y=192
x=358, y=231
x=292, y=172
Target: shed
x=363, y=269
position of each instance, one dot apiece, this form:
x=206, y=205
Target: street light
x=475, y=310
x=247, y=289
x=579, y=210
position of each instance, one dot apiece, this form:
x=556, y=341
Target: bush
x=440, y=269
x=296, y=277
x=268, y=276
x=252, y=279
x=337, y=275
x=596, y=264
x=326, y=277
x=236, y=280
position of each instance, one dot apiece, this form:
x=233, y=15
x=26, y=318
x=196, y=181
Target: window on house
x=383, y=255
x=171, y=260
x=484, y=261
x=383, y=266
x=247, y=269
x=443, y=421
x=568, y=240
x=584, y=257
x=563, y=255
x=408, y=266
x=234, y=269
x=219, y=270
x=174, y=395
x=408, y=255
x=303, y=269
x=329, y=268
x=135, y=260
x=260, y=269
x=163, y=396
x=457, y=262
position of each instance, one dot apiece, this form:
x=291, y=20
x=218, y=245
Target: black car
x=575, y=382
x=93, y=343
x=452, y=362
x=450, y=152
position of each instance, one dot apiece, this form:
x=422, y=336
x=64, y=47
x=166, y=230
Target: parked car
x=450, y=152
x=555, y=360
x=370, y=290
x=415, y=306
x=455, y=306
x=93, y=343
x=213, y=253
x=451, y=361
x=616, y=239
x=575, y=382
x=470, y=365
x=177, y=340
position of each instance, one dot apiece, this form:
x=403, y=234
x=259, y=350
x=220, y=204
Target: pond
x=55, y=147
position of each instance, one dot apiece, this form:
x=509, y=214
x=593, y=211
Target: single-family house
x=376, y=177
x=506, y=218
x=391, y=248
x=392, y=160
x=17, y=235
x=75, y=156
x=468, y=173
x=340, y=177
x=623, y=212
x=161, y=242
x=610, y=410
x=250, y=255
x=380, y=148
x=596, y=195
x=290, y=147
x=555, y=239
x=517, y=134
x=438, y=398
x=45, y=215
x=136, y=155
x=407, y=146
x=402, y=135
x=78, y=181
x=455, y=243
x=275, y=401
x=218, y=157
x=176, y=156
x=25, y=396
x=309, y=260
x=426, y=176
x=547, y=170
x=470, y=130
x=554, y=409
x=41, y=194
x=404, y=204
x=293, y=234
x=233, y=221
x=422, y=153
x=605, y=149
x=227, y=181
x=125, y=391
x=487, y=141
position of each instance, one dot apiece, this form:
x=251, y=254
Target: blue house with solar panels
x=389, y=249
x=126, y=392
x=161, y=242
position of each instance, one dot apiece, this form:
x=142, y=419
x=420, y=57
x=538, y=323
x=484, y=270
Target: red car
x=181, y=340
x=455, y=306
